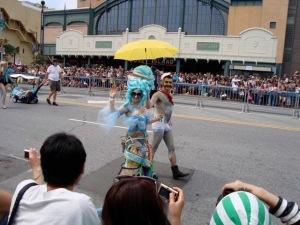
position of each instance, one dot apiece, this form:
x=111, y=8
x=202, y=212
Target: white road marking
x=101, y=124
x=100, y=102
x=16, y=157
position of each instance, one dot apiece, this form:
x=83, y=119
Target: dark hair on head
x=62, y=159
x=133, y=201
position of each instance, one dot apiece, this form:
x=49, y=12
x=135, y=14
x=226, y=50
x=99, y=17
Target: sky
x=58, y=4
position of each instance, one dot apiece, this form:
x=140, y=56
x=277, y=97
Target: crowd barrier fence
x=253, y=96
x=202, y=92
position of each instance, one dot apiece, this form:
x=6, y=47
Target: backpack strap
x=17, y=202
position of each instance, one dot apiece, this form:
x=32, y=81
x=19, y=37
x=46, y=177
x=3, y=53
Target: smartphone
x=164, y=191
x=26, y=153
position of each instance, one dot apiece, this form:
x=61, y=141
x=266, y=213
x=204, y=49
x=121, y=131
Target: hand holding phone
x=26, y=153
x=176, y=205
x=164, y=191
x=33, y=157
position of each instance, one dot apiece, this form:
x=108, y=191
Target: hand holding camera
x=34, y=161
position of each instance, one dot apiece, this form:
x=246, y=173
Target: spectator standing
x=5, y=72
x=53, y=75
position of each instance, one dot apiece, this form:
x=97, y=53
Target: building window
x=137, y=15
x=174, y=15
x=272, y=25
x=198, y=17
x=201, y=18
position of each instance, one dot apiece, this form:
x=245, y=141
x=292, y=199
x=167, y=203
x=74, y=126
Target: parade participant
x=162, y=100
x=53, y=75
x=5, y=70
x=137, y=151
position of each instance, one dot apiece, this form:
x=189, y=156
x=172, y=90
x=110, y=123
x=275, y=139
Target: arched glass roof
x=193, y=16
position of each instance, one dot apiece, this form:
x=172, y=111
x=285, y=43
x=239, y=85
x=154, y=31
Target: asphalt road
x=215, y=145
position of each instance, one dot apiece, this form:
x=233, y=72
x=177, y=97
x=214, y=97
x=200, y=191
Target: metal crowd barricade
x=296, y=113
x=91, y=82
x=247, y=97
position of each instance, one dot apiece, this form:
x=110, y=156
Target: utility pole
x=2, y=26
x=42, y=29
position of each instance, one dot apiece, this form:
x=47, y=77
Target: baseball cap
x=165, y=75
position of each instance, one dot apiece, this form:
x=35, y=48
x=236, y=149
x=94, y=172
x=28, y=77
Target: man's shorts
x=54, y=85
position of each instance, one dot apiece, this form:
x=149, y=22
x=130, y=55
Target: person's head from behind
x=240, y=208
x=133, y=201
x=62, y=160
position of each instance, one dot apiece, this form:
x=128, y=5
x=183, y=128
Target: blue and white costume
x=138, y=153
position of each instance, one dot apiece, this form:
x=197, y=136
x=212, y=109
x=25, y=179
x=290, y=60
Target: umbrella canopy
x=146, y=49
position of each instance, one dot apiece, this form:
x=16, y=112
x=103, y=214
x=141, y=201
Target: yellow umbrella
x=146, y=49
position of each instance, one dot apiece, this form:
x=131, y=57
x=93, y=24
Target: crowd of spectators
x=261, y=90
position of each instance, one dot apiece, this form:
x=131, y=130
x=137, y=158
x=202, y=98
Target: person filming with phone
x=134, y=200
x=60, y=164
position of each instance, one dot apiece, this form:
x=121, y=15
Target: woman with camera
x=135, y=201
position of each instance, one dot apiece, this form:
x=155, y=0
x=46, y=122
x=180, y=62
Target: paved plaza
x=214, y=145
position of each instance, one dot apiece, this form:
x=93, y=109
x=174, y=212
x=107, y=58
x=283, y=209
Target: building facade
x=21, y=30
x=244, y=36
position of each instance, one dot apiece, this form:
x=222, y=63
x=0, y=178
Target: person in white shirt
x=61, y=164
x=53, y=75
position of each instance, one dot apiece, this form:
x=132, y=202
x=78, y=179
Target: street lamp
x=42, y=28
x=2, y=41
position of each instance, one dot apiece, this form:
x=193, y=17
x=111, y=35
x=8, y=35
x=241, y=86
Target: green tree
x=11, y=50
x=40, y=59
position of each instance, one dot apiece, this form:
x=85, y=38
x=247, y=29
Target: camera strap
x=17, y=202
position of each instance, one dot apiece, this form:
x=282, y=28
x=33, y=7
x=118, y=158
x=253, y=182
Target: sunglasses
x=162, y=190
x=138, y=94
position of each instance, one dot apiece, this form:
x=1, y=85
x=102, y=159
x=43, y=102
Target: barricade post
x=199, y=102
x=296, y=108
x=245, y=107
x=61, y=87
x=90, y=87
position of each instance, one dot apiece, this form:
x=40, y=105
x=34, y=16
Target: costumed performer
x=137, y=151
x=162, y=100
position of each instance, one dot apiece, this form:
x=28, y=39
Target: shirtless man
x=162, y=100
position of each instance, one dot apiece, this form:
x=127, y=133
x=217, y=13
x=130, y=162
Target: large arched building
x=234, y=36
x=20, y=30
